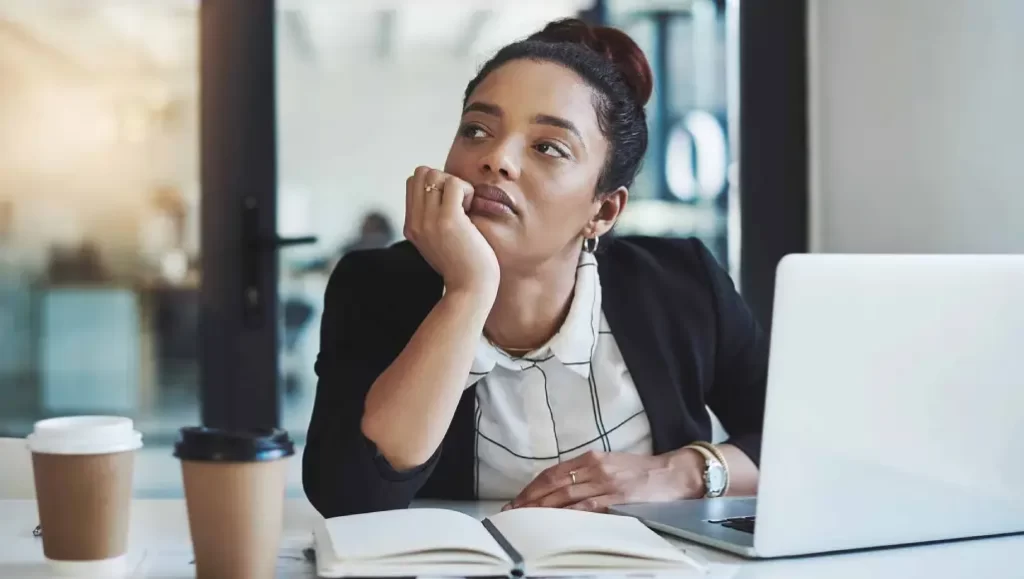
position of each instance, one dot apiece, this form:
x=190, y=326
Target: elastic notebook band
x=519, y=566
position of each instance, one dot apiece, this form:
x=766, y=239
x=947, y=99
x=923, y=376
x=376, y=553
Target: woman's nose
x=503, y=161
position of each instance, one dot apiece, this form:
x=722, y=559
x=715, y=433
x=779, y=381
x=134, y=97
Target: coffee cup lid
x=84, y=435
x=205, y=444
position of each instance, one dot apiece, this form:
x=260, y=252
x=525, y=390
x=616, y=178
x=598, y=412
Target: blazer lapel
x=638, y=321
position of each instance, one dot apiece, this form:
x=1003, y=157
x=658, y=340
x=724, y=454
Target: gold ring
x=430, y=188
x=572, y=475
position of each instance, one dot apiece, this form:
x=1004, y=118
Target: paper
x=589, y=541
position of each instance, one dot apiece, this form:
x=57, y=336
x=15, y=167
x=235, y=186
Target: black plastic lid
x=215, y=445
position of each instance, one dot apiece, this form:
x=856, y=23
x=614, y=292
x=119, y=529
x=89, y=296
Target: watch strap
x=719, y=456
x=703, y=452
x=709, y=459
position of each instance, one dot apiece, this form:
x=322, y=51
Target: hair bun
x=613, y=44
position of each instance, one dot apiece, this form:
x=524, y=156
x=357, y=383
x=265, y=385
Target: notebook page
x=406, y=533
x=541, y=535
x=436, y=563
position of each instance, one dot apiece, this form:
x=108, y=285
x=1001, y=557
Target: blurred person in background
x=503, y=351
x=375, y=232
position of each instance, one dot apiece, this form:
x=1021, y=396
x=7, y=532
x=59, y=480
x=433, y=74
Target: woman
x=505, y=351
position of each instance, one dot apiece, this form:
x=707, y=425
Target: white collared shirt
x=572, y=395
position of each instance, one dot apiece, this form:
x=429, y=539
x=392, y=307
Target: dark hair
x=614, y=67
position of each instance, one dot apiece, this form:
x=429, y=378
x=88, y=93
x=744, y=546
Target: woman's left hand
x=603, y=479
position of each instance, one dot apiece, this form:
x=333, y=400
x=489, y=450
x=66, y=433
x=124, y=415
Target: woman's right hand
x=437, y=224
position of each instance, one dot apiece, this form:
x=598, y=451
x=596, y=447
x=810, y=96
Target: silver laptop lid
x=895, y=409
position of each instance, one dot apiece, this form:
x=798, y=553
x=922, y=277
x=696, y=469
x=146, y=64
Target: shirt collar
x=573, y=345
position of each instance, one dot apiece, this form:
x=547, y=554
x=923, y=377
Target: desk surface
x=159, y=548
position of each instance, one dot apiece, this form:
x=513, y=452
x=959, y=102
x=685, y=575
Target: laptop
x=894, y=412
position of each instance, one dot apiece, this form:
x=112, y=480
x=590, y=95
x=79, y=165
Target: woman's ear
x=609, y=208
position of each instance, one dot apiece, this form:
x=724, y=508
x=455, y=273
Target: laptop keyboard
x=743, y=524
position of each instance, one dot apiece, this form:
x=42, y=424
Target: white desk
x=159, y=549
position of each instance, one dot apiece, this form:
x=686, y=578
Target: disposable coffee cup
x=82, y=467
x=234, y=491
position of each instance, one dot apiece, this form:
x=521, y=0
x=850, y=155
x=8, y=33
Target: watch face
x=714, y=479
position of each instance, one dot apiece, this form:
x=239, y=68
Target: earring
x=590, y=244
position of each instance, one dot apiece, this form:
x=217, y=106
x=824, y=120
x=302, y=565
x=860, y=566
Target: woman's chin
x=496, y=233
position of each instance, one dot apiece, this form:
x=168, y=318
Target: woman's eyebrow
x=485, y=108
x=560, y=123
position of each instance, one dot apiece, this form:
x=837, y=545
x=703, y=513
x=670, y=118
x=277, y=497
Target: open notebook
x=441, y=542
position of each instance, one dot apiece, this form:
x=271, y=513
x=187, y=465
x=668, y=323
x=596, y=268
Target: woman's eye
x=472, y=132
x=551, y=150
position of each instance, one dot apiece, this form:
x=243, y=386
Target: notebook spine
x=518, y=564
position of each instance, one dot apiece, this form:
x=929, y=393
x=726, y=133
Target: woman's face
x=530, y=129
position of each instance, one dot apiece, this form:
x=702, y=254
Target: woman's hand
x=605, y=479
x=437, y=224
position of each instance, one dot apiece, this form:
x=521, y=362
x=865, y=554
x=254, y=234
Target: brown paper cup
x=234, y=490
x=84, y=503
x=235, y=513
x=82, y=468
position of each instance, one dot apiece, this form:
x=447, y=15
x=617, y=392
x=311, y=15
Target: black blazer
x=685, y=334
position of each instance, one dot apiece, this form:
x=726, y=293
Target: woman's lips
x=481, y=206
x=491, y=200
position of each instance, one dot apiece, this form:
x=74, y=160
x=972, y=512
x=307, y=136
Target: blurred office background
x=100, y=189
x=907, y=138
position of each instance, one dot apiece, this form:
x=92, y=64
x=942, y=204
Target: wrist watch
x=716, y=476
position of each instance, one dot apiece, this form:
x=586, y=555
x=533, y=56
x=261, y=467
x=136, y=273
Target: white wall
x=350, y=136
x=917, y=125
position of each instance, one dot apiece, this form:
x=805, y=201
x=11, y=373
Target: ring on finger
x=432, y=187
x=572, y=475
